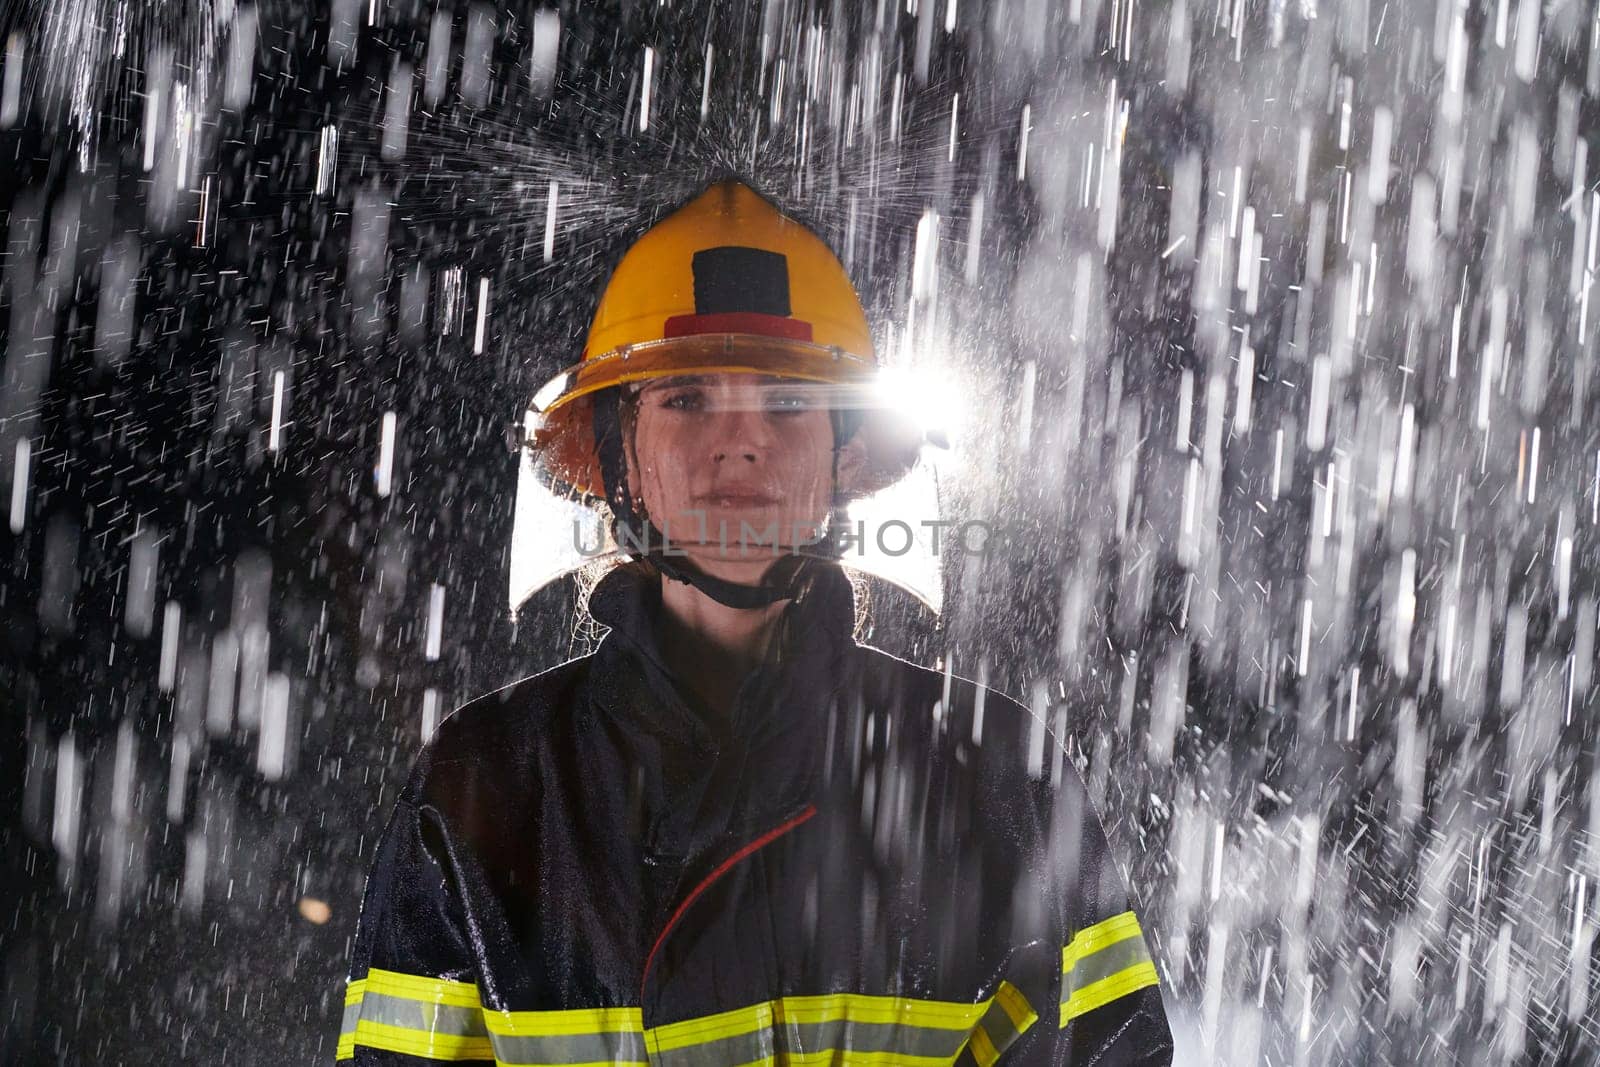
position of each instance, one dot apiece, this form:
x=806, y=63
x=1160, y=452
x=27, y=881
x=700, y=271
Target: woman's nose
x=741, y=432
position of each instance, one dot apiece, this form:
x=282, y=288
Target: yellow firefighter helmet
x=725, y=284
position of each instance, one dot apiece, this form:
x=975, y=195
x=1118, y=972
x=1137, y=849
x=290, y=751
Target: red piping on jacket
x=722, y=868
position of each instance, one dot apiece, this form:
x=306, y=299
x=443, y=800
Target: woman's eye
x=682, y=400
x=789, y=402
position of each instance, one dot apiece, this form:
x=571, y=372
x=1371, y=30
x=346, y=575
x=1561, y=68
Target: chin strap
x=629, y=526
x=783, y=580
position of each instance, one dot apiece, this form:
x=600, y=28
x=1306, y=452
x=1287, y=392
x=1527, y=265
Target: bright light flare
x=928, y=398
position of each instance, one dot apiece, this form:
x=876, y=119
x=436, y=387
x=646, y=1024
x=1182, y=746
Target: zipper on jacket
x=705, y=883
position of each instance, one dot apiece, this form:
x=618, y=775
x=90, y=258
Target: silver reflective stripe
x=741, y=1048
x=1114, y=958
x=996, y=1023
x=857, y=1036
x=352, y=1015
x=802, y=1039
x=434, y=1019
x=617, y=1046
x=442, y=1019
x=1103, y=963
x=1009, y=1015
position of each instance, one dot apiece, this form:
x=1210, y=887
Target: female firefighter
x=732, y=834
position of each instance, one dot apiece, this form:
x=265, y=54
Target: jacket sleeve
x=1092, y=991
x=411, y=997
x=1108, y=1008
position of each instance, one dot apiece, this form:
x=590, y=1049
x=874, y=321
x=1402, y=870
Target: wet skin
x=736, y=453
x=734, y=468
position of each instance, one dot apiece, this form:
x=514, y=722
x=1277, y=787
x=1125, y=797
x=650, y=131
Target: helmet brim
x=561, y=416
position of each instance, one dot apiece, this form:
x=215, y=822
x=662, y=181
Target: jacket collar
x=815, y=639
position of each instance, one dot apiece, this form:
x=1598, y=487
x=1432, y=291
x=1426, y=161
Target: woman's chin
x=756, y=535
x=745, y=568
x=744, y=561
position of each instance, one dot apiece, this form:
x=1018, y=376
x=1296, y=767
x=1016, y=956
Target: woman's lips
x=736, y=498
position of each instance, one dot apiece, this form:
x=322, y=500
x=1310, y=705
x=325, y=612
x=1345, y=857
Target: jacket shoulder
x=960, y=706
x=492, y=742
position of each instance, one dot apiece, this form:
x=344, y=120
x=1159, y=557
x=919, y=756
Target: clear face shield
x=891, y=533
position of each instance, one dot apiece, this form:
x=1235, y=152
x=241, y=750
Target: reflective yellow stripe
x=1102, y=963
x=862, y=1007
x=1094, y=938
x=1108, y=989
x=842, y=1058
x=434, y=1018
x=812, y=1010
x=832, y=1057
x=710, y=1028
x=442, y=1019
x=417, y=987
x=565, y=1022
x=419, y=1042
x=983, y=1049
x=1016, y=1006
x=1002, y=1025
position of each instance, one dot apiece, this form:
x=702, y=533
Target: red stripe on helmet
x=738, y=322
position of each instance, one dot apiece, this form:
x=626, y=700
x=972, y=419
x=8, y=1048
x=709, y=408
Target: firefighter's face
x=735, y=469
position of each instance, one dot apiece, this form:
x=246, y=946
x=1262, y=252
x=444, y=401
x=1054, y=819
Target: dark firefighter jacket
x=866, y=862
